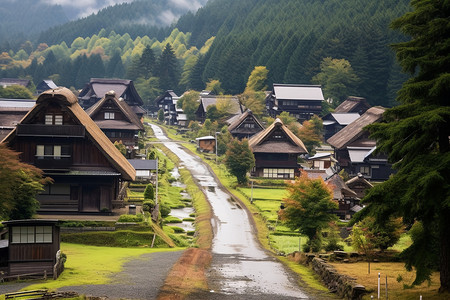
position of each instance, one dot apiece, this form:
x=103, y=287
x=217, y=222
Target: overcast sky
x=92, y=6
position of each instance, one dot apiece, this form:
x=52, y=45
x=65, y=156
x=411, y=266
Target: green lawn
x=92, y=265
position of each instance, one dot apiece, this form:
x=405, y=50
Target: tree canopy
x=415, y=136
x=239, y=159
x=307, y=208
x=19, y=183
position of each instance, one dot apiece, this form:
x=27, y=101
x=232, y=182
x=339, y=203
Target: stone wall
x=344, y=286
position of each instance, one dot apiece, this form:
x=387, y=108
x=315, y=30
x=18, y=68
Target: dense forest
x=22, y=19
x=225, y=40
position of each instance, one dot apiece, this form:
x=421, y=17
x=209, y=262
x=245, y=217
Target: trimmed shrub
x=149, y=193
x=164, y=210
x=148, y=205
x=131, y=218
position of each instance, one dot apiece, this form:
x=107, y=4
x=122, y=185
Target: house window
x=278, y=173
x=56, y=189
x=109, y=115
x=51, y=119
x=31, y=234
x=365, y=170
x=52, y=151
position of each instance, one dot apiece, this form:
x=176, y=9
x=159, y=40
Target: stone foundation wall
x=344, y=286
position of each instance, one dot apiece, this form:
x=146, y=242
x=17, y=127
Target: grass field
x=397, y=277
x=92, y=265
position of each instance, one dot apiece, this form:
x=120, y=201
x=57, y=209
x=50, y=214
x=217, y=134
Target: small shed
x=33, y=247
x=144, y=168
x=206, y=144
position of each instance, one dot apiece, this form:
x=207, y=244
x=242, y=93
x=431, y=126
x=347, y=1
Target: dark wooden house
x=44, y=85
x=300, y=100
x=33, y=247
x=146, y=169
x=58, y=137
x=347, y=199
x=245, y=125
x=168, y=103
x=124, y=88
x=354, y=148
x=276, y=150
x=359, y=184
x=353, y=105
x=333, y=122
x=118, y=121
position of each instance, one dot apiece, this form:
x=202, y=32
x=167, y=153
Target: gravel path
x=141, y=278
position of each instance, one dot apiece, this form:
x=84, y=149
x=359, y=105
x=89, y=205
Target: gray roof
x=355, y=130
x=17, y=103
x=345, y=118
x=143, y=164
x=298, y=92
x=351, y=104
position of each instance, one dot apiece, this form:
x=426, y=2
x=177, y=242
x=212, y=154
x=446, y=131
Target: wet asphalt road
x=240, y=268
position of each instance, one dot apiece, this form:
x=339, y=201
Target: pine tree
x=415, y=135
x=147, y=62
x=168, y=69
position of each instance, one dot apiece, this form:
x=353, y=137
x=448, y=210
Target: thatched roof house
x=276, y=150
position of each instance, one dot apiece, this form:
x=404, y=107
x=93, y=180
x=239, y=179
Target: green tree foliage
x=308, y=208
x=161, y=115
x=168, y=70
x=376, y=236
x=415, y=135
x=337, y=78
x=19, y=182
x=149, y=192
x=308, y=134
x=121, y=147
x=148, y=89
x=239, y=159
x=189, y=104
x=257, y=80
x=147, y=62
x=15, y=92
x=215, y=86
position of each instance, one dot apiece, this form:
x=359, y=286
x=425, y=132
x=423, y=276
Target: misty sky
x=87, y=7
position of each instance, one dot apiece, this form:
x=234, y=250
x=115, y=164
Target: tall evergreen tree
x=147, y=62
x=168, y=69
x=415, y=135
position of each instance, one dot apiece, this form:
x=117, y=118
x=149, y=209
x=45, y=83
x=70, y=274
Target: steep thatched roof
x=67, y=99
x=98, y=87
x=236, y=121
x=355, y=129
x=261, y=142
x=132, y=120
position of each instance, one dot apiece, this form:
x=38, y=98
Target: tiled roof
x=355, y=129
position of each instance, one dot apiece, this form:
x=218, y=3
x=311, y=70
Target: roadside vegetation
x=264, y=202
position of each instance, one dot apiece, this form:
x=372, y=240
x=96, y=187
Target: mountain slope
x=138, y=18
x=291, y=37
x=22, y=18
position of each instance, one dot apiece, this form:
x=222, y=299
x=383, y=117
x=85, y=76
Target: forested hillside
x=138, y=18
x=291, y=38
x=21, y=19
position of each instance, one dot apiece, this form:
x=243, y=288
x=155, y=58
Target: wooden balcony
x=50, y=130
x=51, y=163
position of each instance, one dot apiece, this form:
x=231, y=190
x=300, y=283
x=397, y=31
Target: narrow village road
x=240, y=268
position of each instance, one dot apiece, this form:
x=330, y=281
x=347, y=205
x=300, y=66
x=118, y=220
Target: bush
x=171, y=219
x=164, y=210
x=148, y=205
x=149, y=192
x=131, y=218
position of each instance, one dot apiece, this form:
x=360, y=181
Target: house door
x=91, y=198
